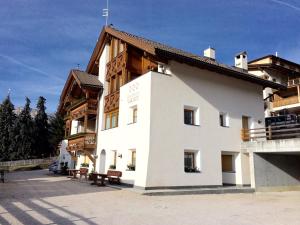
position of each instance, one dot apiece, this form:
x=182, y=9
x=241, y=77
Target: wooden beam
x=85, y=122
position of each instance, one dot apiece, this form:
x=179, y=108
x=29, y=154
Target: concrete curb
x=199, y=191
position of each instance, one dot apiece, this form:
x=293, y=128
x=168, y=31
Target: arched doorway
x=102, y=161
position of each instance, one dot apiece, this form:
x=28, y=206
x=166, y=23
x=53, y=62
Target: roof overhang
x=222, y=70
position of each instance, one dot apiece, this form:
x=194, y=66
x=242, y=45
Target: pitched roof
x=170, y=53
x=276, y=58
x=86, y=80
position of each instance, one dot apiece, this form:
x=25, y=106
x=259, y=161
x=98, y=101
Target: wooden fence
x=28, y=162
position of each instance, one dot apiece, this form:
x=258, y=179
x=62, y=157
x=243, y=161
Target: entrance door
x=102, y=161
x=245, y=122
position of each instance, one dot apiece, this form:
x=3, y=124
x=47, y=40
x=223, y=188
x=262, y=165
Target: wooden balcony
x=115, y=66
x=82, y=141
x=271, y=133
x=86, y=107
x=111, y=102
x=294, y=82
x=285, y=101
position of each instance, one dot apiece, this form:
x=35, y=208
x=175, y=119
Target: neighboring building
x=276, y=69
x=164, y=117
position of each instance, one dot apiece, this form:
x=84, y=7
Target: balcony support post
x=85, y=123
x=298, y=92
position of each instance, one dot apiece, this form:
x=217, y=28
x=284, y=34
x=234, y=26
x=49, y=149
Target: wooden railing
x=294, y=82
x=271, y=133
x=88, y=107
x=82, y=141
x=111, y=102
x=115, y=65
x=285, y=101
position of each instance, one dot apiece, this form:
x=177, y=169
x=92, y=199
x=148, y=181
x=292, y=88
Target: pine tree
x=41, y=147
x=56, y=132
x=7, y=118
x=22, y=135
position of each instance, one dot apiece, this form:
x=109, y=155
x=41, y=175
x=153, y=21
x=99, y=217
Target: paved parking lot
x=35, y=197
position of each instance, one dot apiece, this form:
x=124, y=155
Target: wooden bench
x=114, y=176
x=83, y=172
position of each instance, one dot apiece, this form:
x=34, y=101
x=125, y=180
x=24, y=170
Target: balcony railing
x=82, y=141
x=285, y=101
x=87, y=107
x=111, y=101
x=294, y=82
x=115, y=65
x=271, y=132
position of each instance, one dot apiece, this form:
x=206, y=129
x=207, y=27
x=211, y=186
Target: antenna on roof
x=105, y=13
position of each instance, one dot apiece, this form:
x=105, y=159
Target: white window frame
x=226, y=119
x=196, y=114
x=131, y=114
x=197, y=158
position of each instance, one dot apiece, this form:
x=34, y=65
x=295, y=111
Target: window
x=224, y=119
x=134, y=115
x=107, y=121
x=111, y=120
x=227, y=163
x=115, y=51
x=121, y=47
x=132, y=160
x=191, y=115
x=114, y=120
x=113, y=163
x=191, y=161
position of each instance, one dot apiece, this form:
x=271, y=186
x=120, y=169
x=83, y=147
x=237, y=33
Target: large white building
x=164, y=117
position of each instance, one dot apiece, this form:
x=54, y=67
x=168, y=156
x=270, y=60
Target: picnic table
x=73, y=173
x=95, y=179
x=3, y=171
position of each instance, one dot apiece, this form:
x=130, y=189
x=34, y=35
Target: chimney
x=210, y=53
x=241, y=60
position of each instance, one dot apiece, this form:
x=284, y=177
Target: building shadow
x=24, y=199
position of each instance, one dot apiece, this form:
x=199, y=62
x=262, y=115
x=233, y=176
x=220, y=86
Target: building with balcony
x=164, y=117
x=274, y=68
x=79, y=105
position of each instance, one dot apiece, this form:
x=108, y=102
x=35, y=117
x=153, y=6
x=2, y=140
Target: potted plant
x=113, y=167
x=191, y=170
x=131, y=167
x=84, y=165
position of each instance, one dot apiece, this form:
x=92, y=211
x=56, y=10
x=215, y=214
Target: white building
x=165, y=118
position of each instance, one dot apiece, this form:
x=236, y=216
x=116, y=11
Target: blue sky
x=41, y=40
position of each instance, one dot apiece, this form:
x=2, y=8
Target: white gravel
x=34, y=197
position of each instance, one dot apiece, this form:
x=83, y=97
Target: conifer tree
x=56, y=132
x=7, y=118
x=41, y=147
x=22, y=135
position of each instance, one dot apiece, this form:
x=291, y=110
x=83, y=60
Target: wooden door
x=245, y=122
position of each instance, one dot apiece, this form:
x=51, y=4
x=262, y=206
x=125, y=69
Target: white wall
x=64, y=155
x=212, y=93
x=160, y=135
x=127, y=135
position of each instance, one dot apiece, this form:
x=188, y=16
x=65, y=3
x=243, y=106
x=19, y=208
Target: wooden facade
x=125, y=63
x=79, y=102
